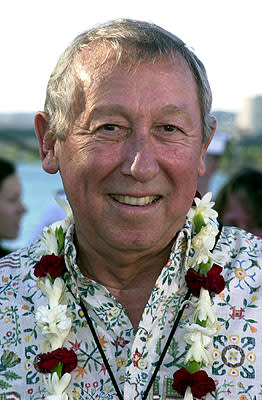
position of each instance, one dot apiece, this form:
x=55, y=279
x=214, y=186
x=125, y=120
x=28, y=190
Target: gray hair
x=136, y=40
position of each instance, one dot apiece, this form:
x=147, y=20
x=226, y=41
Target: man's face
x=11, y=207
x=130, y=164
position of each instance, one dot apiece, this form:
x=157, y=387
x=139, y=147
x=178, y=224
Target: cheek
x=5, y=211
x=7, y=218
x=181, y=162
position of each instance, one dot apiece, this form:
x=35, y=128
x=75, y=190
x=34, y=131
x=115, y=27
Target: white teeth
x=134, y=201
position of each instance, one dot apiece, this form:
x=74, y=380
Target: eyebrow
x=120, y=109
x=108, y=109
x=173, y=109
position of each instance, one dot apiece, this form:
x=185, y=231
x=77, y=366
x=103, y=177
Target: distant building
x=17, y=136
x=249, y=118
x=226, y=121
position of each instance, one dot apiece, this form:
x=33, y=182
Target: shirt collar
x=178, y=255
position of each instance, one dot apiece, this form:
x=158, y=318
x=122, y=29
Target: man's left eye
x=169, y=128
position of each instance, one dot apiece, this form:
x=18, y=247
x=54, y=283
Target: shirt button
x=115, y=311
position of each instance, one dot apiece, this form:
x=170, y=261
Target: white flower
x=54, y=323
x=57, y=386
x=54, y=292
x=66, y=207
x=197, y=333
x=198, y=353
x=204, y=310
x=199, y=338
x=49, y=241
x=188, y=395
x=202, y=243
x=203, y=207
x=64, y=224
x=205, y=238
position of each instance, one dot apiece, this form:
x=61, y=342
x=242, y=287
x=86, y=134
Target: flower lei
x=202, y=278
x=53, y=319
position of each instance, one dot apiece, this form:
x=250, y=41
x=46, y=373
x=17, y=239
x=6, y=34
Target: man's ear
x=46, y=139
x=202, y=166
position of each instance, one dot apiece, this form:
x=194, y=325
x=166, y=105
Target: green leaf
x=173, y=348
x=60, y=237
x=29, y=298
x=198, y=222
x=202, y=323
x=193, y=367
x=204, y=268
x=9, y=359
x=11, y=375
x=158, y=347
x=4, y=385
x=58, y=369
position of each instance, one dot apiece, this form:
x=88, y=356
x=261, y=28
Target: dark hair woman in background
x=11, y=206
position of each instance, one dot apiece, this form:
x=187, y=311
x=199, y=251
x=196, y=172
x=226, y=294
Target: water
x=39, y=189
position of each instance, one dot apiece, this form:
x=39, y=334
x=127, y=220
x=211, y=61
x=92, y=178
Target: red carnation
x=50, y=264
x=214, y=281
x=199, y=382
x=182, y=379
x=194, y=281
x=47, y=361
x=202, y=384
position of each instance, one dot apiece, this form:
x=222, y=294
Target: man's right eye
x=109, y=127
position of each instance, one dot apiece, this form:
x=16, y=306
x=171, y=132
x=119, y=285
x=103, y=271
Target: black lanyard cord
x=161, y=358
x=109, y=370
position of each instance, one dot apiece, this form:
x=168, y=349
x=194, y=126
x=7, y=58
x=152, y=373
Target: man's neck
x=121, y=270
x=131, y=283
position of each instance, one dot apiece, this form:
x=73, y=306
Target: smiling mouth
x=135, y=201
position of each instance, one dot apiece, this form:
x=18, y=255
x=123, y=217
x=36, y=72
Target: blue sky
x=225, y=34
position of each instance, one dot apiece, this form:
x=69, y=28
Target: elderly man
x=126, y=298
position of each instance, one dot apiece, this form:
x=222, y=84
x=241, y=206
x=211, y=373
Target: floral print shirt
x=236, y=350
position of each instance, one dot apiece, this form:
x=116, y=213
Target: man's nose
x=140, y=159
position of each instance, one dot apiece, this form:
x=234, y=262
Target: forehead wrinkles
x=103, y=57
x=95, y=68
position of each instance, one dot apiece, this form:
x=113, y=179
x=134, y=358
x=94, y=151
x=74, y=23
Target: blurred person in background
x=214, y=178
x=239, y=201
x=11, y=207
